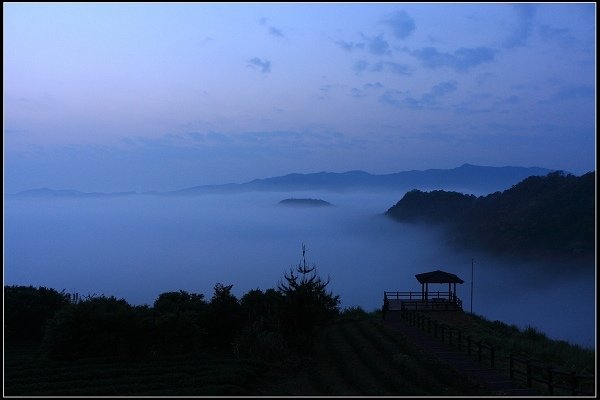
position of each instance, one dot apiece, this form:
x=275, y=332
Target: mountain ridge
x=479, y=178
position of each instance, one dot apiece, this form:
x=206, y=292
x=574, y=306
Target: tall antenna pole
x=472, y=262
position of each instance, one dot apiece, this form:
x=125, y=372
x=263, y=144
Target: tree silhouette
x=306, y=302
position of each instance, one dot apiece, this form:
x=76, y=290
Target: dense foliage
x=27, y=309
x=542, y=216
x=260, y=324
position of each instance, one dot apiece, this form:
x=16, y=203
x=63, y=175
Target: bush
x=179, y=323
x=225, y=319
x=262, y=308
x=256, y=342
x=352, y=314
x=27, y=310
x=98, y=327
x=181, y=301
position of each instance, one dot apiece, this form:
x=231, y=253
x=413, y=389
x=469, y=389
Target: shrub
x=256, y=342
x=262, y=308
x=352, y=314
x=96, y=327
x=225, y=319
x=27, y=310
x=179, y=323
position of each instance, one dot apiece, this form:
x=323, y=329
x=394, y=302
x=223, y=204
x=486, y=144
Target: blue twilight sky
x=148, y=96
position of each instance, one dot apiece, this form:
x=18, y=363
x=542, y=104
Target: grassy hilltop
x=183, y=346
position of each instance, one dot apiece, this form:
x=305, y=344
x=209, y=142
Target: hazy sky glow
x=146, y=96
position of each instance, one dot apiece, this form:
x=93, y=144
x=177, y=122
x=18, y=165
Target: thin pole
x=472, y=262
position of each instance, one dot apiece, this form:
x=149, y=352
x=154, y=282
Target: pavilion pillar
x=422, y=291
x=449, y=291
x=426, y=292
x=454, y=295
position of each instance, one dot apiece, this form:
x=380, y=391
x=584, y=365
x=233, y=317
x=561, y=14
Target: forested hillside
x=542, y=216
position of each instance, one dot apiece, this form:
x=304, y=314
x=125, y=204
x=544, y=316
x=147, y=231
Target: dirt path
x=485, y=376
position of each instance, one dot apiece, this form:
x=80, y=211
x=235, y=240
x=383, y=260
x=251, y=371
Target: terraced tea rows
x=27, y=374
x=355, y=358
x=363, y=358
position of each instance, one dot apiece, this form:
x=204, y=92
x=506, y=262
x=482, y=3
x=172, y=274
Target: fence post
x=573, y=383
x=469, y=345
x=428, y=325
x=492, y=356
x=479, y=351
x=442, y=329
x=511, y=366
x=550, y=385
x=528, y=365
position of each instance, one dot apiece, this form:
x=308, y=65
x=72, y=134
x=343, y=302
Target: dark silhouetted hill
x=541, y=216
x=306, y=202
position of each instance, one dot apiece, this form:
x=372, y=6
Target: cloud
x=475, y=104
x=511, y=100
x=443, y=88
x=264, y=65
x=271, y=29
x=276, y=32
x=567, y=93
x=561, y=36
x=524, y=26
x=377, y=45
x=397, y=98
x=400, y=69
x=401, y=23
x=461, y=60
x=349, y=46
x=360, y=66
x=376, y=85
x=391, y=97
x=356, y=92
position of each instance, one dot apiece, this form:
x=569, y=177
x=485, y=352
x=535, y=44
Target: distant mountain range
x=45, y=192
x=467, y=177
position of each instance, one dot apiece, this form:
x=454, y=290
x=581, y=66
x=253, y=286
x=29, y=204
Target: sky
x=156, y=96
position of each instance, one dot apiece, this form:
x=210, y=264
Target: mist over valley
x=137, y=247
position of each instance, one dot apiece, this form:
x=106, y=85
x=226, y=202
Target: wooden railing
x=452, y=336
x=417, y=295
x=435, y=300
x=555, y=380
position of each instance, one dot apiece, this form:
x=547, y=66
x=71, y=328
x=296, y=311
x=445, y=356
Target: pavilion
x=426, y=299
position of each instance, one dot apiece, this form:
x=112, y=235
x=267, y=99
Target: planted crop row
x=193, y=376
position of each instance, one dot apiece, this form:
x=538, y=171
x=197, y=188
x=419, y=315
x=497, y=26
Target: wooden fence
x=434, y=300
x=555, y=380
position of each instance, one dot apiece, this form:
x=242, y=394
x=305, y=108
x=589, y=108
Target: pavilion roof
x=438, y=277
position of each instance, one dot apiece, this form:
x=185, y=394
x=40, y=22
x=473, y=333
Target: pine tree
x=306, y=303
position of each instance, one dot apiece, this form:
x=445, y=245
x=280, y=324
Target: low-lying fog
x=138, y=247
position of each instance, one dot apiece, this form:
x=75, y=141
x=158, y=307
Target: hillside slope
x=550, y=216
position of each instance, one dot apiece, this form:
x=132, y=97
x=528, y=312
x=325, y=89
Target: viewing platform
x=426, y=300
x=435, y=301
